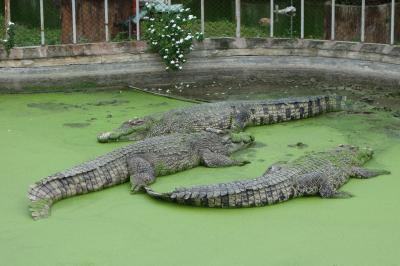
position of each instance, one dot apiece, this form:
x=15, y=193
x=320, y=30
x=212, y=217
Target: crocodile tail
x=40, y=208
x=236, y=194
x=40, y=201
x=157, y=195
x=211, y=196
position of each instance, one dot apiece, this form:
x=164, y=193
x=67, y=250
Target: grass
x=2, y=30
x=27, y=36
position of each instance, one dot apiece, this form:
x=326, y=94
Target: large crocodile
x=141, y=162
x=318, y=173
x=233, y=115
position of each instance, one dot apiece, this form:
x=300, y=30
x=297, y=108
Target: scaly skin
x=234, y=115
x=142, y=162
x=319, y=173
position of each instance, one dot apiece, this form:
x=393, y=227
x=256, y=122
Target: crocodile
x=317, y=173
x=141, y=162
x=230, y=115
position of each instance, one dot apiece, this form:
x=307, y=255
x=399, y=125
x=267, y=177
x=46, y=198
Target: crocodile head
x=356, y=155
x=135, y=129
x=238, y=141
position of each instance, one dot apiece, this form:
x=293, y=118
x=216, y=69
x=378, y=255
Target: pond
x=44, y=133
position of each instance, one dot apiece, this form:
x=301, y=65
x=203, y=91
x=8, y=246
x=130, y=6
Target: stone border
x=94, y=66
x=124, y=51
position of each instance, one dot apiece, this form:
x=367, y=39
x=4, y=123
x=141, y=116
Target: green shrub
x=9, y=41
x=168, y=32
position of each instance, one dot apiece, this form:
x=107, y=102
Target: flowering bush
x=168, y=33
x=9, y=43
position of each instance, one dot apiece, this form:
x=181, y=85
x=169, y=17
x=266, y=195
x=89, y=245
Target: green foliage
x=2, y=29
x=358, y=2
x=225, y=28
x=9, y=42
x=169, y=33
x=26, y=36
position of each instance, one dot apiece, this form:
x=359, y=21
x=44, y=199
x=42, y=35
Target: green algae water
x=44, y=133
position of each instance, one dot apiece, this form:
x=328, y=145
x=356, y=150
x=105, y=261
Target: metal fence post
x=138, y=20
x=202, y=15
x=363, y=21
x=42, y=40
x=73, y=21
x=302, y=20
x=106, y=20
x=333, y=14
x=237, y=12
x=271, y=19
x=392, y=22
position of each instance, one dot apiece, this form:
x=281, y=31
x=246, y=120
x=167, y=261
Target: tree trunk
x=7, y=13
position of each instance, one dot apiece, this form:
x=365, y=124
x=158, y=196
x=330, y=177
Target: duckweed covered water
x=44, y=133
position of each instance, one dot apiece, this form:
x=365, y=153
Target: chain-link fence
x=26, y=16
x=254, y=18
x=396, y=32
x=82, y=21
x=2, y=28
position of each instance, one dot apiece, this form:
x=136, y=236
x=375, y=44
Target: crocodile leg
x=212, y=159
x=328, y=191
x=141, y=173
x=363, y=173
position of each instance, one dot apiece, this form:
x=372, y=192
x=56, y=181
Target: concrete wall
x=276, y=61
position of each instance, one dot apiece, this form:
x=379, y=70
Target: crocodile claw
x=244, y=162
x=137, y=188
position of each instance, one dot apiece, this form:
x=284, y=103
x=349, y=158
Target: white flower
x=173, y=26
x=180, y=56
x=178, y=28
x=190, y=17
x=152, y=19
x=184, y=20
x=187, y=9
x=166, y=50
x=165, y=57
x=166, y=68
x=180, y=67
x=172, y=21
x=172, y=62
